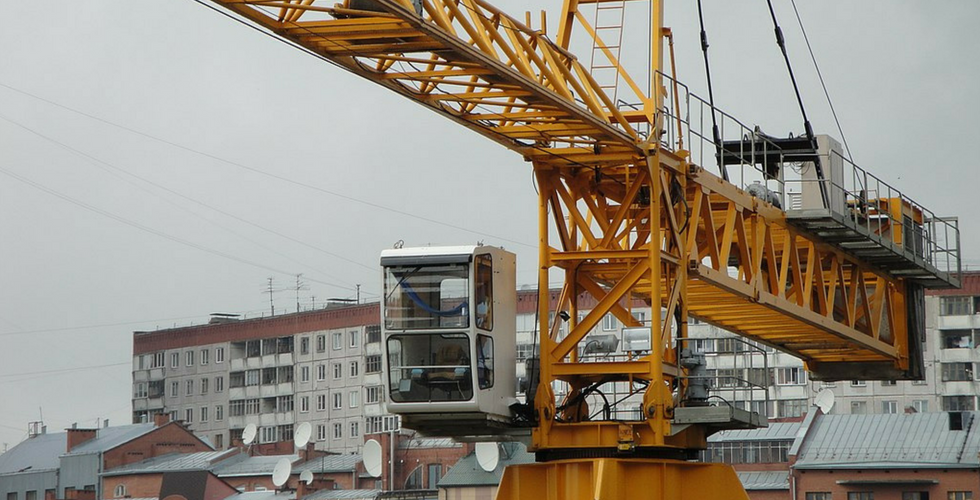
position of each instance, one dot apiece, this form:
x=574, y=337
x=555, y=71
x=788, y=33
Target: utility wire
x=97, y=162
x=151, y=230
x=822, y=84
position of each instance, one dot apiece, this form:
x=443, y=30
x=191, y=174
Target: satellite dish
x=281, y=473
x=248, y=435
x=372, y=457
x=488, y=456
x=303, y=433
x=824, y=400
x=306, y=476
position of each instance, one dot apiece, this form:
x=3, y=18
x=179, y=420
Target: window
x=791, y=407
x=190, y=388
x=372, y=363
x=957, y=339
x=373, y=333
x=435, y=474
x=304, y=404
x=189, y=358
x=372, y=395
x=284, y=404
x=268, y=435
x=921, y=405
x=253, y=377
x=338, y=401
x=354, y=398
x=483, y=313
x=889, y=406
x=960, y=495
x=219, y=413
x=204, y=386
x=219, y=438
x=338, y=372
x=426, y=297
x=953, y=372
x=321, y=402
x=140, y=390
x=959, y=403
x=174, y=389
x=354, y=368
x=338, y=430
x=174, y=359
x=252, y=406
x=888, y=383
x=704, y=345
x=236, y=408
x=158, y=359
x=321, y=343
x=859, y=407
x=818, y=495
x=304, y=345
x=858, y=383
x=219, y=355
x=253, y=348
x=205, y=356
x=609, y=323
x=321, y=432
x=920, y=382
x=304, y=374
x=860, y=495
x=219, y=384
x=204, y=414
x=790, y=376
x=353, y=338
x=338, y=340
x=429, y=367
x=915, y=495
x=954, y=306
x=189, y=415
x=484, y=361
x=321, y=372
x=120, y=491
x=355, y=429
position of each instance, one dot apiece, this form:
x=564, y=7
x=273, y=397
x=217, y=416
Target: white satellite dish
x=281, y=473
x=488, y=456
x=248, y=435
x=303, y=433
x=306, y=476
x=825, y=400
x=371, y=454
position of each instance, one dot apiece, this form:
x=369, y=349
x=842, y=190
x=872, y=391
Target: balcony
x=285, y=359
x=961, y=322
x=238, y=364
x=235, y=393
x=157, y=374
x=141, y=375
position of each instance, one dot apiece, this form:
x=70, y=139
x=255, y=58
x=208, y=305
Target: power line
x=151, y=230
x=59, y=371
x=259, y=171
x=95, y=160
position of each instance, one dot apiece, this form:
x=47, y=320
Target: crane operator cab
x=449, y=326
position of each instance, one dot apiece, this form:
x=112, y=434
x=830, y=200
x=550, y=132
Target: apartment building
x=322, y=367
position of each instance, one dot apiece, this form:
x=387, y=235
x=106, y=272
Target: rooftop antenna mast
x=270, y=289
x=300, y=285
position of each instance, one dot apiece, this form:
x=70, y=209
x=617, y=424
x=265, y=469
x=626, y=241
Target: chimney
x=160, y=419
x=78, y=436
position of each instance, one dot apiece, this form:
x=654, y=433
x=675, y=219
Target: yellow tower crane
x=799, y=249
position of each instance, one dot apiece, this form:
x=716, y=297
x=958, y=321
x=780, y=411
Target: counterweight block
x=620, y=479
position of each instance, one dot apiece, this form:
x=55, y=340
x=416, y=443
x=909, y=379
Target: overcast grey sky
x=159, y=162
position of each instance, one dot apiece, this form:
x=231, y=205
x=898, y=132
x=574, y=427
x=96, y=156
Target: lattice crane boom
x=638, y=218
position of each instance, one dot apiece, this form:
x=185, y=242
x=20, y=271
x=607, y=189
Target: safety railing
x=736, y=372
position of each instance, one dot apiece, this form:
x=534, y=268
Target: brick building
x=67, y=465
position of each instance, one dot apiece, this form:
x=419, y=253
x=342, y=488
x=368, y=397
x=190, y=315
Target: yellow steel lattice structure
x=635, y=219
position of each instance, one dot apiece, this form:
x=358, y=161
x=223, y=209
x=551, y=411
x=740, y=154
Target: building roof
x=263, y=495
x=38, y=453
x=343, y=495
x=767, y=480
x=251, y=466
x=775, y=431
x=902, y=440
x=427, y=442
x=173, y=462
x=329, y=463
x=108, y=438
x=467, y=472
x=969, y=285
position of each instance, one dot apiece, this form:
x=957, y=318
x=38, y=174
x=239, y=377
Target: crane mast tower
x=792, y=245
